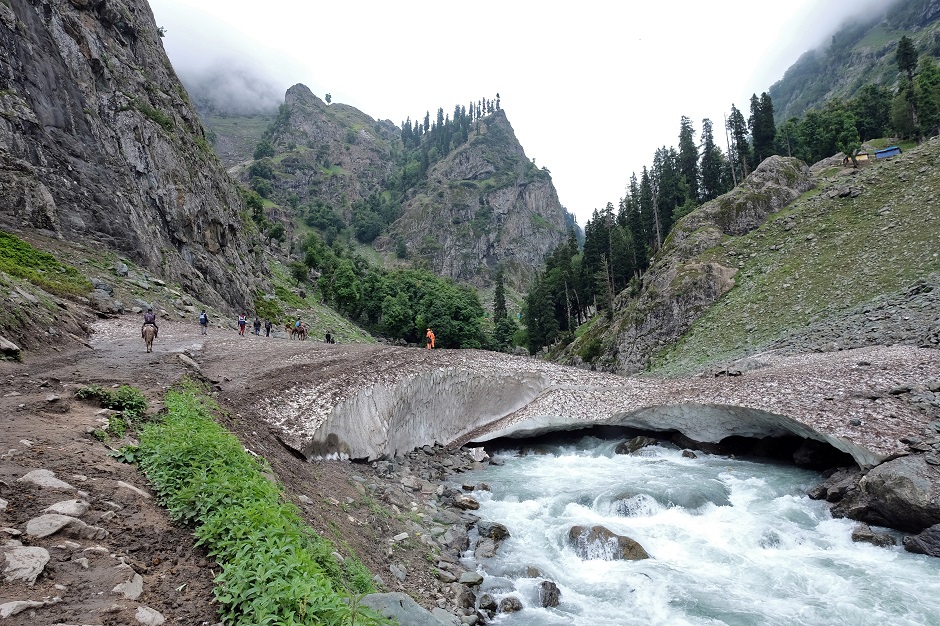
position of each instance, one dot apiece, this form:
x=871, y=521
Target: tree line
x=619, y=242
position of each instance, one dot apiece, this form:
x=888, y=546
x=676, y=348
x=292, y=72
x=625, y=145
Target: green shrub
x=130, y=401
x=275, y=570
x=18, y=258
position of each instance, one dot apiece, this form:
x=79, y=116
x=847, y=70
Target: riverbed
x=732, y=541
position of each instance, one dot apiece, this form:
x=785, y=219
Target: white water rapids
x=732, y=542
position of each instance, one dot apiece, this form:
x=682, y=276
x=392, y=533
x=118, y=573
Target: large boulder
x=927, y=542
x=903, y=493
x=598, y=542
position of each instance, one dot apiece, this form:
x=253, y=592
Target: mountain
x=99, y=143
x=460, y=210
x=861, y=52
x=794, y=259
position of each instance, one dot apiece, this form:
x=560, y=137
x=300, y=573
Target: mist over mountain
x=231, y=86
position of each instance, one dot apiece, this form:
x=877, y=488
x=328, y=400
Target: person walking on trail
x=257, y=326
x=430, y=337
x=204, y=322
x=242, y=320
x=150, y=318
x=267, y=328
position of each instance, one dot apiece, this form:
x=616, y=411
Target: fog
x=591, y=89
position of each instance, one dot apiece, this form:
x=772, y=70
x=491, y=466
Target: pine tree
x=906, y=57
x=872, y=110
x=761, y=124
x=499, y=297
x=710, y=165
x=688, y=158
x=928, y=95
x=740, y=147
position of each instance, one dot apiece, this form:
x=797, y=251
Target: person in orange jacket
x=430, y=336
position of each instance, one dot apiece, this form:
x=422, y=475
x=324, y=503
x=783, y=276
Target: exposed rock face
x=335, y=152
x=484, y=204
x=98, y=142
x=598, y=542
x=681, y=284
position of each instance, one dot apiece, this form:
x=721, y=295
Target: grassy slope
x=836, y=254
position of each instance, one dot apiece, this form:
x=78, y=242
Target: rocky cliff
x=484, y=204
x=99, y=143
x=684, y=280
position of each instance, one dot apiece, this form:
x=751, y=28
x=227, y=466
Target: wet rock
x=485, y=549
x=510, y=604
x=902, y=493
x=470, y=578
x=25, y=563
x=927, y=542
x=598, y=542
x=466, y=503
x=632, y=445
x=549, y=594
x=493, y=530
x=864, y=533
x=688, y=454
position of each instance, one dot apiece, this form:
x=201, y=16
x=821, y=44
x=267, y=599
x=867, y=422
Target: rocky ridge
x=99, y=144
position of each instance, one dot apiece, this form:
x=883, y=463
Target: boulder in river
x=598, y=542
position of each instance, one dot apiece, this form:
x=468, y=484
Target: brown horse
x=301, y=332
x=148, y=332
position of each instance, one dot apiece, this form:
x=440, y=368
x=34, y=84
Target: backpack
x=203, y=318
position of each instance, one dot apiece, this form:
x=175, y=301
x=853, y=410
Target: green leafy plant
x=125, y=454
x=20, y=259
x=275, y=570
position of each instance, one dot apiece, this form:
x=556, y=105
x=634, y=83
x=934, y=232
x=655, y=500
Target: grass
x=20, y=259
x=275, y=569
x=819, y=257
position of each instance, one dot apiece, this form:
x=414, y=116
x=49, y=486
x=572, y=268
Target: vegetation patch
x=275, y=569
x=18, y=258
x=163, y=120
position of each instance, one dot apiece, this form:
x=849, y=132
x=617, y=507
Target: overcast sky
x=591, y=88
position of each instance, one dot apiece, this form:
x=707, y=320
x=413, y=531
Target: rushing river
x=732, y=542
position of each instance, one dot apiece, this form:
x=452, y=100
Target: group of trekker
x=243, y=321
x=151, y=319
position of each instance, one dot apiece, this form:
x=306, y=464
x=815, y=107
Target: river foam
x=732, y=542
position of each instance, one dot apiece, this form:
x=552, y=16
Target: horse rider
x=150, y=318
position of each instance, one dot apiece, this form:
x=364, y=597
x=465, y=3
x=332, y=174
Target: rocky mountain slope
x=99, y=144
x=861, y=52
x=484, y=204
x=793, y=259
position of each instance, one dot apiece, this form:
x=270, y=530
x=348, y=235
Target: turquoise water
x=732, y=542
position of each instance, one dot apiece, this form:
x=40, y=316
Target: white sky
x=591, y=88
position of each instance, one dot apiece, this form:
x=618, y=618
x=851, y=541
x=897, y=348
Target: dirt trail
x=42, y=426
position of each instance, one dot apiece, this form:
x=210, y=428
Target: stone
x=149, y=617
x=903, y=493
x=398, y=571
x=137, y=491
x=130, y=589
x=926, y=542
x=73, y=508
x=400, y=537
x=493, y=530
x=632, y=445
x=445, y=618
x=470, y=578
x=51, y=523
x=8, y=609
x=400, y=607
x=864, y=533
x=485, y=549
x=466, y=503
x=44, y=478
x=510, y=604
x=25, y=563
x=598, y=542
x=549, y=594
x=487, y=602
x=3, y=505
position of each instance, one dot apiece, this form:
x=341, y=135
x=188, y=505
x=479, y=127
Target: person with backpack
x=267, y=328
x=242, y=320
x=204, y=322
x=257, y=326
x=150, y=318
